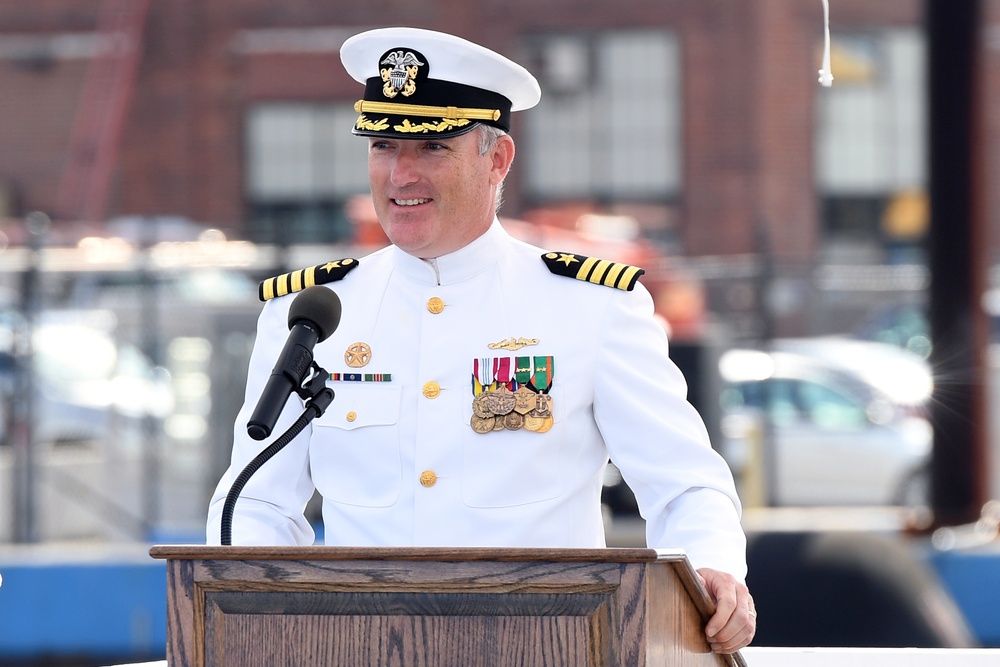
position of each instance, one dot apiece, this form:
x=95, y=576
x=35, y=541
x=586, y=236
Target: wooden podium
x=416, y=607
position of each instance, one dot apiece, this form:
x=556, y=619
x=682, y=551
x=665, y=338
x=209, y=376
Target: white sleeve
x=270, y=509
x=684, y=488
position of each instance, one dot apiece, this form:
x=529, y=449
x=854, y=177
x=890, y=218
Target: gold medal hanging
x=532, y=423
x=496, y=408
x=543, y=406
x=513, y=421
x=483, y=424
x=480, y=406
x=546, y=424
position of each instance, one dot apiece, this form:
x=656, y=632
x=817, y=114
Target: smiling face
x=435, y=196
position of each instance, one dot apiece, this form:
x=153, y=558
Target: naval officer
x=481, y=383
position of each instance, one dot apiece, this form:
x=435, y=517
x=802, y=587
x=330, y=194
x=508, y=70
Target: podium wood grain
x=357, y=607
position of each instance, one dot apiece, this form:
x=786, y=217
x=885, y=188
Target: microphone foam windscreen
x=319, y=305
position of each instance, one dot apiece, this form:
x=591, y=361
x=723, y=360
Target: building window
x=608, y=124
x=302, y=164
x=870, y=141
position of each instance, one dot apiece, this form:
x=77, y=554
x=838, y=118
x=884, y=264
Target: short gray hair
x=488, y=138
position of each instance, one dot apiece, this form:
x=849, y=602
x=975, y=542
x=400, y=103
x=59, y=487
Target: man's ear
x=503, y=157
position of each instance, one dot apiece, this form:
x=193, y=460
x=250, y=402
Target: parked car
x=904, y=376
x=834, y=422
x=83, y=380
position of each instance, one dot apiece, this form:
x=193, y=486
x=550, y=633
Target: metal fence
x=123, y=367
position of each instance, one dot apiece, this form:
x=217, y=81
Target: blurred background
x=825, y=260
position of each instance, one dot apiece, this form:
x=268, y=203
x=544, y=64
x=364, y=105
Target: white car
x=832, y=423
x=85, y=384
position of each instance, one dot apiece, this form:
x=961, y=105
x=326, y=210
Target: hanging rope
x=825, y=75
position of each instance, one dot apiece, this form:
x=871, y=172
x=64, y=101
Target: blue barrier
x=106, y=607
x=973, y=579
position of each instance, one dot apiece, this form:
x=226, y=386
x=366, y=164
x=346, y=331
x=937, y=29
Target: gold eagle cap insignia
x=401, y=77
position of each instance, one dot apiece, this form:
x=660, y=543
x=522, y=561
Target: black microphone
x=312, y=317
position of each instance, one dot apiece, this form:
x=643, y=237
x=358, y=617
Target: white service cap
x=423, y=82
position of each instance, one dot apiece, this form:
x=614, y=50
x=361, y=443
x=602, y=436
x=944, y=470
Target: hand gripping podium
x=429, y=607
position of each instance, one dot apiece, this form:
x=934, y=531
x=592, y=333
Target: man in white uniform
x=481, y=383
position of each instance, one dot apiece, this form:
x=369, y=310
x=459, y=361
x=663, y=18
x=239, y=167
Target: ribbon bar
x=361, y=377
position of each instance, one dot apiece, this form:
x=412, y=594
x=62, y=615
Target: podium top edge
x=454, y=554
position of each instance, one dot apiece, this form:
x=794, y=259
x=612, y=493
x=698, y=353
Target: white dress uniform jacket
x=397, y=462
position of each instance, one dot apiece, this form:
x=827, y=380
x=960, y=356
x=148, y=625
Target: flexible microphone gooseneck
x=312, y=317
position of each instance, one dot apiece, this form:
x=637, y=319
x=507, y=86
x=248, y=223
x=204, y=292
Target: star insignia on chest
x=593, y=270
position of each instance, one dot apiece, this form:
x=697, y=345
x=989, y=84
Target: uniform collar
x=460, y=265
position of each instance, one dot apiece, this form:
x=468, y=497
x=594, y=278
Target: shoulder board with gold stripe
x=296, y=281
x=593, y=270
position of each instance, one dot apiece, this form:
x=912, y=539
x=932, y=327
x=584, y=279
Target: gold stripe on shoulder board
x=296, y=281
x=593, y=270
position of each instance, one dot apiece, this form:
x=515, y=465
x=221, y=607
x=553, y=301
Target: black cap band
x=405, y=103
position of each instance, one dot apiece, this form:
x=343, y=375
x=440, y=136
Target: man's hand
x=735, y=620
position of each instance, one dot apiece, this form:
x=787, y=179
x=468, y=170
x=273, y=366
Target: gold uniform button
x=435, y=305
x=352, y=415
x=428, y=478
x=432, y=389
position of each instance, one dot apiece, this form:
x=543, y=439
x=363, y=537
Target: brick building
x=702, y=120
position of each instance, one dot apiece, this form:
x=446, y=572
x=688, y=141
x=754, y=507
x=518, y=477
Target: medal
x=525, y=400
x=543, y=406
x=483, y=425
x=511, y=393
x=513, y=421
x=480, y=406
x=546, y=424
x=501, y=401
x=533, y=423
